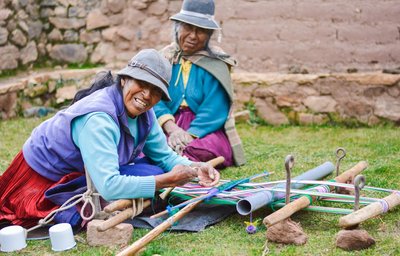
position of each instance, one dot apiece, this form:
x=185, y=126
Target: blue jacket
x=205, y=96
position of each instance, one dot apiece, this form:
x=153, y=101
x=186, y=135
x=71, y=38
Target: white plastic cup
x=12, y=238
x=61, y=237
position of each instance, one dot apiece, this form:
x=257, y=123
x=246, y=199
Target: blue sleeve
x=97, y=136
x=161, y=109
x=213, y=110
x=157, y=149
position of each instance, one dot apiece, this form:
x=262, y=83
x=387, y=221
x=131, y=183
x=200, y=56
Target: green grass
x=266, y=148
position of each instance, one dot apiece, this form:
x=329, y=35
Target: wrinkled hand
x=179, y=175
x=208, y=176
x=179, y=139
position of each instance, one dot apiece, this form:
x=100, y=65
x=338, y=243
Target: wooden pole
x=120, y=217
x=370, y=211
x=304, y=201
x=139, y=244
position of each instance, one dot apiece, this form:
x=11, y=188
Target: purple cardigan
x=50, y=150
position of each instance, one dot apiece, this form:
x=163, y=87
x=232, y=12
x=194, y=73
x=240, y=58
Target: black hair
x=102, y=80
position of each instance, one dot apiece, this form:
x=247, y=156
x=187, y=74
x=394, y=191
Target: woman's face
x=139, y=96
x=191, y=38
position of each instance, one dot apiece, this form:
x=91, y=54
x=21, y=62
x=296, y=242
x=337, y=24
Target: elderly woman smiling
x=197, y=120
x=103, y=133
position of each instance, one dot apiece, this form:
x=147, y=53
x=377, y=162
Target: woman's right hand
x=178, y=138
x=179, y=175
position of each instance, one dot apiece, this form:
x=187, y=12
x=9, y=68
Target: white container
x=12, y=238
x=61, y=237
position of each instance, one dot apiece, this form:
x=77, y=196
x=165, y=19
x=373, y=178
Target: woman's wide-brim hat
x=150, y=66
x=199, y=13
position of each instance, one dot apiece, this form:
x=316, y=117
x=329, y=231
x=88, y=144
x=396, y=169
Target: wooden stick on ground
x=139, y=244
x=301, y=203
x=120, y=217
x=370, y=211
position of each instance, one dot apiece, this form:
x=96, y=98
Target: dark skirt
x=210, y=146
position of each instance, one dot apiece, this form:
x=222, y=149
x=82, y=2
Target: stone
x=65, y=93
x=3, y=36
x=18, y=38
x=34, y=29
x=71, y=36
x=70, y=53
x=109, y=33
x=8, y=104
x=96, y=19
x=29, y=53
x=90, y=37
x=351, y=240
x=270, y=113
x=121, y=234
x=55, y=35
x=4, y=14
x=158, y=8
x=60, y=11
x=320, y=104
x=126, y=33
x=64, y=23
x=115, y=6
x=387, y=107
x=103, y=53
x=287, y=232
x=9, y=57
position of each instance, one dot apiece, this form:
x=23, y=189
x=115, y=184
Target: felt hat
x=150, y=66
x=199, y=13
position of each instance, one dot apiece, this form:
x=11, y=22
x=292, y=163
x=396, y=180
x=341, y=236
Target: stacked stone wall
x=364, y=98
x=295, y=36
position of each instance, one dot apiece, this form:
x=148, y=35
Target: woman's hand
x=178, y=138
x=208, y=176
x=182, y=174
x=179, y=175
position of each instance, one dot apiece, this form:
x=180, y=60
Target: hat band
x=199, y=15
x=136, y=64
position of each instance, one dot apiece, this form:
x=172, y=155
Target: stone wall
x=365, y=98
x=295, y=36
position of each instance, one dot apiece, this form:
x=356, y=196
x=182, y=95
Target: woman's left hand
x=208, y=176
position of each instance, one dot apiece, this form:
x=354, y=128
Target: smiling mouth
x=141, y=103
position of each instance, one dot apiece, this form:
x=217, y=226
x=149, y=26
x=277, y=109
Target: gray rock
x=70, y=53
x=29, y=53
x=18, y=38
x=3, y=36
x=9, y=57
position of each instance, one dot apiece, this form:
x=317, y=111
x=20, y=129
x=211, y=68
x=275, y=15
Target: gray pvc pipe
x=251, y=203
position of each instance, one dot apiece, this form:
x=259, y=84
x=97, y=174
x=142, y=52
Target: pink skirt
x=210, y=146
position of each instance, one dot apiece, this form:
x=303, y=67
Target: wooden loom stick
x=304, y=201
x=370, y=211
x=118, y=205
x=120, y=217
x=139, y=244
x=213, y=162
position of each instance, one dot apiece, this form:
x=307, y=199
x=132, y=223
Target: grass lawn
x=266, y=148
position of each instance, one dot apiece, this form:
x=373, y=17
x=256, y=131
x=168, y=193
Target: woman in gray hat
x=197, y=120
x=104, y=132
